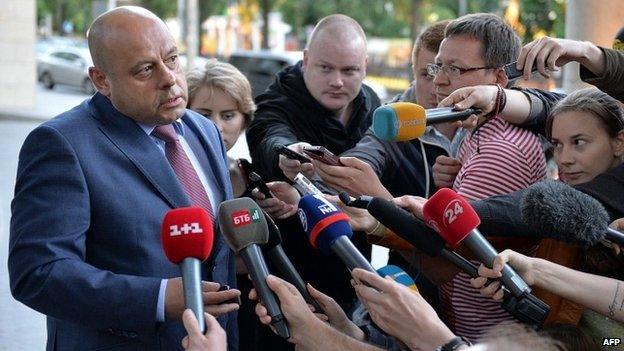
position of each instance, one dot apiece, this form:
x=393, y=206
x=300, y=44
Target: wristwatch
x=454, y=344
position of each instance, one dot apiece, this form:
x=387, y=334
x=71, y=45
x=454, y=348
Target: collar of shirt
x=433, y=136
x=177, y=125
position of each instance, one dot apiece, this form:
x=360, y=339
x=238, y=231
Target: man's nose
x=440, y=79
x=336, y=80
x=168, y=77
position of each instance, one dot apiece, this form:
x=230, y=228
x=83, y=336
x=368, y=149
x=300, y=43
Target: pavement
x=48, y=104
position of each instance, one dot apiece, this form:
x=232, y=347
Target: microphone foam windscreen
x=187, y=232
x=399, y=121
x=450, y=215
x=242, y=223
x=322, y=221
x=564, y=213
x=405, y=225
x=398, y=275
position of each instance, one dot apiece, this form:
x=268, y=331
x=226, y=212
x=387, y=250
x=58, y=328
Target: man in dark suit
x=93, y=185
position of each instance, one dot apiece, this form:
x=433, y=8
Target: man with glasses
x=496, y=157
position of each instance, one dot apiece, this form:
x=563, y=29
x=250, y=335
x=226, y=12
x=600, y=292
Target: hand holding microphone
x=213, y=339
x=601, y=294
x=303, y=324
x=244, y=228
x=521, y=263
x=187, y=237
x=456, y=221
x=401, y=312
x=482, y=97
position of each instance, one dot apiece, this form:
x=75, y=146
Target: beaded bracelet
x=499, y=102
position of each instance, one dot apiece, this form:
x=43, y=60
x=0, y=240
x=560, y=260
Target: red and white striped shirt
x=498, y=158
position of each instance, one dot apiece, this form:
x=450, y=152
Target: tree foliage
x=76, y=11
x=381, y=18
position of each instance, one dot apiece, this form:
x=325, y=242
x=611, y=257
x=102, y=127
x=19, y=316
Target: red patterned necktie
x=183, y=168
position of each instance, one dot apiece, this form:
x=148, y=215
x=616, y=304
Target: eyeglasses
x=451, y=71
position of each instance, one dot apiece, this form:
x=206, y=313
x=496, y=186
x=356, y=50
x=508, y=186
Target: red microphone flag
x=450, y=215
x=187, y=232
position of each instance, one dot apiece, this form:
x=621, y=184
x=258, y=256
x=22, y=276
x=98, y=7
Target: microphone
x=410, y=228
x=398, y=275
x=329, y=231
x=566, y=214
x=187, y=236
x=456, y=221
x=404, y=121
x=244, y=228
x=274, y=251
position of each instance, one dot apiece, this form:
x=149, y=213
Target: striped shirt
x=498, y=158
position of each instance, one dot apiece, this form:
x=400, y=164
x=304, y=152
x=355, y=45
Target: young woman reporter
x=222, y=93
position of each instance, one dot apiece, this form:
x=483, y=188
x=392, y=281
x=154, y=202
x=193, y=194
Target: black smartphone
x=513, y=73
x=258, y=182
x=236, y=300
x=293, y=155
x=320, y=153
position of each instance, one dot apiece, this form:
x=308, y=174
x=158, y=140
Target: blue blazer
x=91, y=193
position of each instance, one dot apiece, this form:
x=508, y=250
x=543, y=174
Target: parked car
x=66, y=65
x=45, y=44
x=261, y=66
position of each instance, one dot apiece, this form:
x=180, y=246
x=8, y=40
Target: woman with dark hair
x=586, y=129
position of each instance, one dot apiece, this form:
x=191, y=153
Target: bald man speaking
x=93, y=185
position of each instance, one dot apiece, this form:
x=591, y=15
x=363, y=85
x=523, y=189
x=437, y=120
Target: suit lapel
x=140, y=149
x=214, y=156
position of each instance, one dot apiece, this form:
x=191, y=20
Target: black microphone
x=566, y=214
x=244, y=228
x=280, y=261
x=409, y=228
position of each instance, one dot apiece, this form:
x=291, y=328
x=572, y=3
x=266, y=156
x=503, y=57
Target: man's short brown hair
x=430, y=39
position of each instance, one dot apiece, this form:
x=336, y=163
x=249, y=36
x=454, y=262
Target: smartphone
x=305, y=186
x=293, y=155
x=236, y=300
x=513, y=73
x=320, y=153
x=258, y=182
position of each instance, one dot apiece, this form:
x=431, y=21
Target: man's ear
x=100, y=80
x=501, y=77
x=304, y=65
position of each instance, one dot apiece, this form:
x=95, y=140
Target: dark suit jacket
x=91, y=193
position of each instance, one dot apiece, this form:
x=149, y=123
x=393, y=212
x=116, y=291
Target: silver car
x=66, y=65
